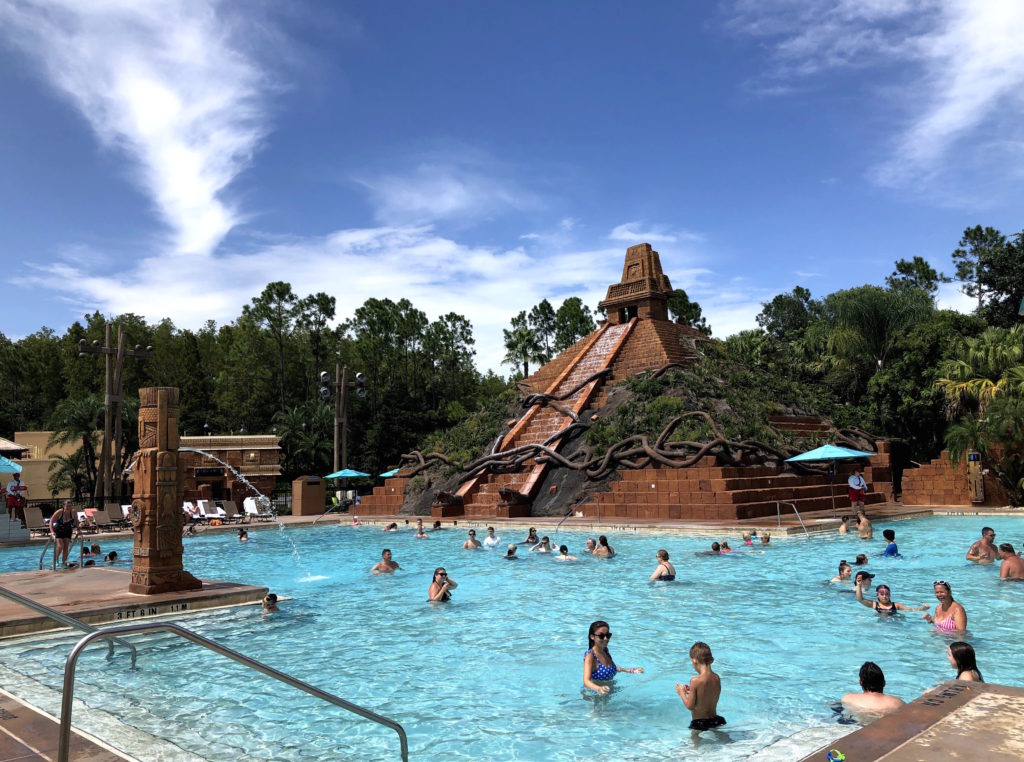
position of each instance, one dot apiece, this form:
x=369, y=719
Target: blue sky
x=171, y=158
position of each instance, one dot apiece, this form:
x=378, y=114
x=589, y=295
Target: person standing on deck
x=856, y=488
x=15, y=493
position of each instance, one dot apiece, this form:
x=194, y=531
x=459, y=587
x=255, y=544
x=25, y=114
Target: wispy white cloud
x=438, y=274
x=805, y=274
x=434, y=191
x=165, y=81
x=638, y=232
x=950, y=71
x=952, y=297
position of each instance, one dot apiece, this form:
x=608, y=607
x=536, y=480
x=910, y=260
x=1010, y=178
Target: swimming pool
x=496, y=674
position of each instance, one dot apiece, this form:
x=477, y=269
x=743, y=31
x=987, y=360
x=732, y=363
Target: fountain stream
x=263, y=500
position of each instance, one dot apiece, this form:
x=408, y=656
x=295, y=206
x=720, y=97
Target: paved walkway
x=27, y=735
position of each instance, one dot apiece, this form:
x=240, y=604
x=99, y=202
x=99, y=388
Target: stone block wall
x=386, y=500
x=941, y=483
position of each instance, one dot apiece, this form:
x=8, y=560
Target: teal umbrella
x=345, y=473
x=392, y=472
x=8, y=466
x=829, y=454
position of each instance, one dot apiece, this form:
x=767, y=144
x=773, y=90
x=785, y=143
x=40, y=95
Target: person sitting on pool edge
x=270, y=603
x=491, y=539
x=665, y=572
x=599, y=668
x=472, y=543
x=1012, y=566
x=440, y=587
x=891, y=551
x=871, y=700
x=701, y=694
x=385, y=565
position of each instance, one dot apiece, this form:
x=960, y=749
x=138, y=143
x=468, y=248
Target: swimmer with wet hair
x=270, y=603
x=701, y=694
x=872, y=701
x=563, y=554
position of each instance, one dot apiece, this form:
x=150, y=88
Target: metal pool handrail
x=778, y=513
x=64, y=741
x=49, y=541
x=66, y=620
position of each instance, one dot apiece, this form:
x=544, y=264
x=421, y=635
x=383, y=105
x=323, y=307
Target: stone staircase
x=11, y=530
x=707, y=491
x=481, y=496
x=803, y=426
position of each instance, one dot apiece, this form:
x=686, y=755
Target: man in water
x=872, y=701
x=472, y=543
x=270, y=603
x=984, y=551
x=1012, y=566
x=701, y=694
x=385, y=565
x=864, y=530
x=491, y=539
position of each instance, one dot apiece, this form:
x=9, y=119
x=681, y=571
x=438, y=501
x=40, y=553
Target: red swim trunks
x=856, y=495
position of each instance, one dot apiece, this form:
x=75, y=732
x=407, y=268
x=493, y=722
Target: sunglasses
x=442, y=574
x=603, y=636
x=940, y=582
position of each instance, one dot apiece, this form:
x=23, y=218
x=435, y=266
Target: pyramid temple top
x=644, y=290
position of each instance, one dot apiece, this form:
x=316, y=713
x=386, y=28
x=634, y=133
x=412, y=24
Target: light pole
x=110, y=467
x=339, y=388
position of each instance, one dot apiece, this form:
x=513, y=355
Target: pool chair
x=114, y=515
x=34, y=521
x=231, y=510
x=103, y=521
x=210, y=512
x=87, y=525
x=253, y=511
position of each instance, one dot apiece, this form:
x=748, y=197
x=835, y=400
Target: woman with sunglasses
x=949, y=616
x=884, y=604
x=441, y=585
x=599, y=669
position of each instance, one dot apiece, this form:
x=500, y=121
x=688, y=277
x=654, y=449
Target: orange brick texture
x=942, y=483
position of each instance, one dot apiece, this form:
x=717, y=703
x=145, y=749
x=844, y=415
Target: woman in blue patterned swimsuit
x=598, y=666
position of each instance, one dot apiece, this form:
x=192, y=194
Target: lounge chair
x=114, y=515
x=231, y=510
x=101, y=519
x=253, y=512
x=34, y=521
x=85, y=524
x=210, y=512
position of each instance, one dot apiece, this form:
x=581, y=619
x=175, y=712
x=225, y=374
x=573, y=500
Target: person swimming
x=665, y=571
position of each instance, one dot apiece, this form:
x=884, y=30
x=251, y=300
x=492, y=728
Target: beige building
x=36, y=459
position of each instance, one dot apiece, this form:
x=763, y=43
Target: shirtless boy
x=700, y=696
x=984, y=551
x=864, y=530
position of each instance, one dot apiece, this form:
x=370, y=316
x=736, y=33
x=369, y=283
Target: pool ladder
x=64, y=740
x=778, y=514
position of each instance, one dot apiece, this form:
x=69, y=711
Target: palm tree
x=69, y=472
x=78, y=420
x=523, y=347
x=986, y=366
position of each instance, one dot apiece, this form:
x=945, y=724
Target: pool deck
x=956, y=720
x=99, y=595
x=28, y=735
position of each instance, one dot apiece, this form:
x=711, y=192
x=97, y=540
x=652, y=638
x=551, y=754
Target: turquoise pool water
x=496, y=674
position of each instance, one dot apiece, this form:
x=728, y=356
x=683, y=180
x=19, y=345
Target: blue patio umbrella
x=392, y=472
x=829, y=454
x=8, y=466
x=345, y=473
